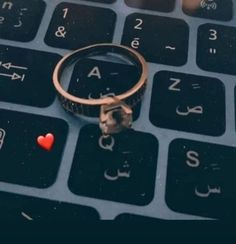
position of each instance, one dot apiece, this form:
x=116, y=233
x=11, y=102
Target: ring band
x=91, y=107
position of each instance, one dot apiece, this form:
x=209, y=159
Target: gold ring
x=99, y=107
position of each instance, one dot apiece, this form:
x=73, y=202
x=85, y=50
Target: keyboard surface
x=177, y=161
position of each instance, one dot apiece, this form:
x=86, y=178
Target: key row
x=208, y=9
x=74, y=26
x=213, y=9
x=179, y=101
x=120, y=168
x=216, y=44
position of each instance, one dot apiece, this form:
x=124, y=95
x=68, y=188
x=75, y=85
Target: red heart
x=46, y=142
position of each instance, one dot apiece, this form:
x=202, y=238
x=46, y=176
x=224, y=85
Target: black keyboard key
x=201, y=179
x=119, y=168
x=171, y=229
x=216, y=48
x=20, y=209
x=160, y=39
x=188, y=103
x=31, y=148
x=93, y=79
x=19, y=20
x=74, y=26
x=209, y=9
x=26, y=76
x=156, y=5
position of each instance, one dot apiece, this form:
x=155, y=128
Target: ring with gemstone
x=114, y=112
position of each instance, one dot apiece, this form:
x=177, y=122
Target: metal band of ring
x=91, y=107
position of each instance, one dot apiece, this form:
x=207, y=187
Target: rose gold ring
x=105, y=107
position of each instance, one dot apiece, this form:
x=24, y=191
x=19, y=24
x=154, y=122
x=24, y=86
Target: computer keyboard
x=177, y=161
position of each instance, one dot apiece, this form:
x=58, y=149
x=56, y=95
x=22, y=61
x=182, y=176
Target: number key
x=168, y=45
x=74, y=26
x=216, y=48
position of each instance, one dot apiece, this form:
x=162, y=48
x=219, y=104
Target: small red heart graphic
x=46, y=142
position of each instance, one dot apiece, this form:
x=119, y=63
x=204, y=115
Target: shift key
x=31, y=148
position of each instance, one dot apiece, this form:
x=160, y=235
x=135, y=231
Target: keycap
x=160, y=39
x=119, y=168
x=209, y=9
x=155, y=5
x=31, y=148
x=201, y=179
x=20, y=20
x=21, y=209
x=174, y=228
x=94, y=79
x=74, y=26
x=216, y=48
x=26, y=76
x=187, y=102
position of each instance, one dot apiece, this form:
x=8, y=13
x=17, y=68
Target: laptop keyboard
x=178, y=160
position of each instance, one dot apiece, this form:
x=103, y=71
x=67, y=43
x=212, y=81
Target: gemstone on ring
x=115, y=117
